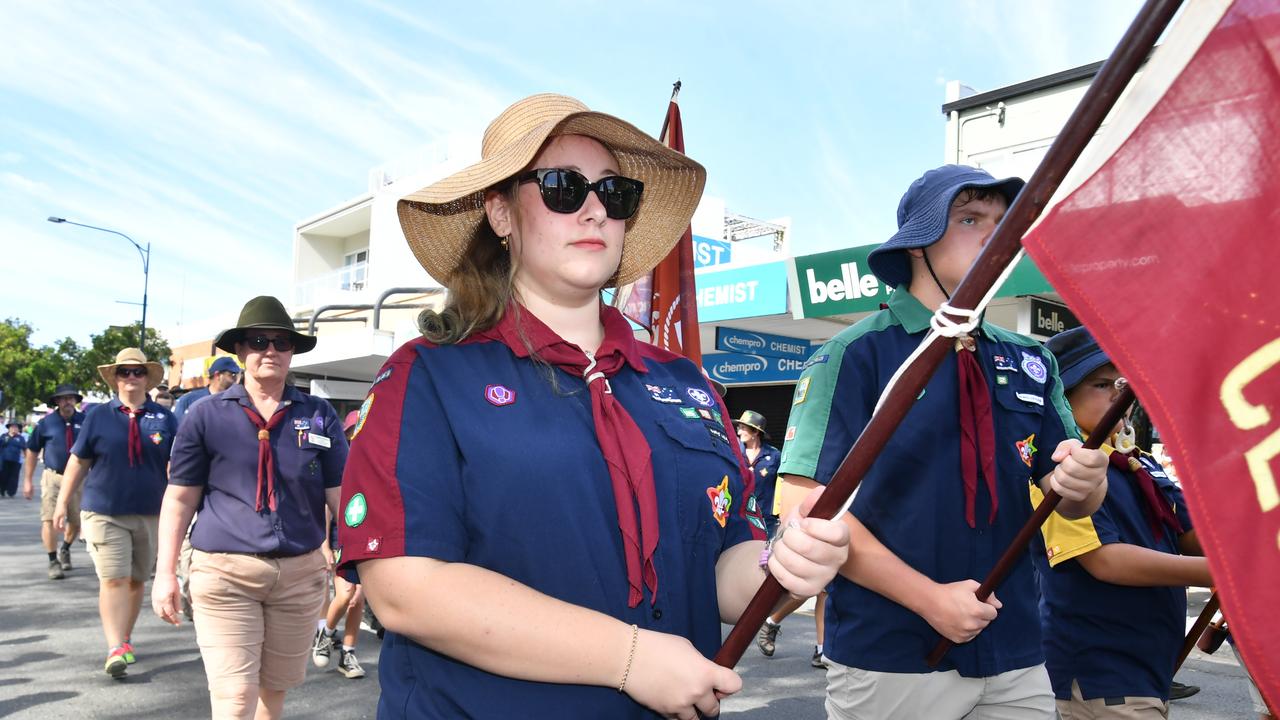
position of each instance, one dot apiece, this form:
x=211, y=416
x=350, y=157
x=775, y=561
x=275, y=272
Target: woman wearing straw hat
x=547, y=515
x=261, y=460
x=123, y=447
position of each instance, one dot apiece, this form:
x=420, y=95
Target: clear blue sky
x=210, y=129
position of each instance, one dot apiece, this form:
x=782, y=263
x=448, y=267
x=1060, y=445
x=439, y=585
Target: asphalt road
x=52, y=650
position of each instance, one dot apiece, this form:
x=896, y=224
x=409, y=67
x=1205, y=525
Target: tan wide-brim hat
x=441, y=220
x=132, y=356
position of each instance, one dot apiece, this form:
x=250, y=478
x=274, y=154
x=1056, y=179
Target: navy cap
x=923, y=213
x=223, y=364
x=1078, y=355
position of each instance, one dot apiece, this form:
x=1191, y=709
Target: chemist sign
x=742, y=292
x=757, y=343
x=740, y=368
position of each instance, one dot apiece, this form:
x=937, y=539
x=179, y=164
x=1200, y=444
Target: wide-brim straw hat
x=441, y=220
x=264, y=313
x=132, y=356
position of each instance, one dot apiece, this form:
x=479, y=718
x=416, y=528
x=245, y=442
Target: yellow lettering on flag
x=1248, y=416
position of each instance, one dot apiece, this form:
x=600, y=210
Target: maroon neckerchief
x=265, y=460
x=1158, y=513
x=71, y=437
x=626, y=452
x=135, y=435
x=977, y=430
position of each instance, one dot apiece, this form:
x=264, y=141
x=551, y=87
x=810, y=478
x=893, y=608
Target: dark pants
x=9, y=477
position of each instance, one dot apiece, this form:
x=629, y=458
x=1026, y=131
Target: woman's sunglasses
x=131, y=372
x=565, y=191
x=258, y=343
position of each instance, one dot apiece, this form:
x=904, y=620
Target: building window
x=355, y=269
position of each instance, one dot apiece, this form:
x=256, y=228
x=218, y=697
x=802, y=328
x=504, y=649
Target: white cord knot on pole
x=946, y=327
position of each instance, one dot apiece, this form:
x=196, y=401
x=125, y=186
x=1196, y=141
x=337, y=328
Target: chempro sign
x=758, y=343
x=840, y=282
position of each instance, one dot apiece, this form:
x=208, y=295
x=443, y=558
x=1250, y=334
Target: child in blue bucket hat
x=952, y=486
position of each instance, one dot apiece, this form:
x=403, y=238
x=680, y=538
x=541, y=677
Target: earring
x=505, y=242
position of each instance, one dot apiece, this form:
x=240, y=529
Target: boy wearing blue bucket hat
x=950, y=489
x=1115, y=603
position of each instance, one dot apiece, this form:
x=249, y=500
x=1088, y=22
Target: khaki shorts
x=255, y=619
x=122, y=546
x=1125, y=708
x=50, y=488
x=856, y=694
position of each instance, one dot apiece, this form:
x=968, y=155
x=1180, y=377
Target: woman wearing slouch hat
x=261, y=460
x=540, y=515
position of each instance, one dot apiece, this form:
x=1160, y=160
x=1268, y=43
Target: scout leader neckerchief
x=135, y=435
x=71, y=438
x=265, y=459
x=1158, y=513
x=625, y=449
x=977, y=429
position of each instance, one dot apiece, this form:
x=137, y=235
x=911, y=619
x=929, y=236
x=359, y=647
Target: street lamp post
x=146, y=268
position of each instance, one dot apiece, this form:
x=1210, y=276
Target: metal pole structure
x=146, y=268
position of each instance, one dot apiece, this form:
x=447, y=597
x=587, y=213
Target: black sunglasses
x=565, y=191
x=258, y=343
x=131, y=372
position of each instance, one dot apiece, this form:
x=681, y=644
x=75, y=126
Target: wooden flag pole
x=1197, y=629
x=999, y=251
x=1018, y=548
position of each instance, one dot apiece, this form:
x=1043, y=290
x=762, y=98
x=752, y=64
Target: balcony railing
x=344, y=282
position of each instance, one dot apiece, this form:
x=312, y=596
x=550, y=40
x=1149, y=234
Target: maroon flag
x=665, y=302
x=1165, y=241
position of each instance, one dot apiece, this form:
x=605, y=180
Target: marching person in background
x=262, y=461
x=547, y=515
x=123, y=449
x=51, y=440
x=223, y=372
x=1113, y=585
x=949, y=491
x=348, y=602
x=12, y=445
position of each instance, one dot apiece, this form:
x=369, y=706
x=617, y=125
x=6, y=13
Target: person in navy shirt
x=950, y=489
x=547, y=515
x=1114, y=603
x=260, y=461
x=123, y=448
x=224, y=372
x=12, y=445
x=53, y=437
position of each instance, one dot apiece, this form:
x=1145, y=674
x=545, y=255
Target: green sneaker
x=116, y=665
x=128, y=652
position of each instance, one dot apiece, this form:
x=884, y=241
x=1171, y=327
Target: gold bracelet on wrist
x=635, y=634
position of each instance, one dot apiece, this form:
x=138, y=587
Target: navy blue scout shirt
x=912, y=499
x=50, y=435
x=114, y=487
x=188, y=399
x=764, y=473
x=217, y=449
x=11, y=447
x=467, y=453
x=1117, y=641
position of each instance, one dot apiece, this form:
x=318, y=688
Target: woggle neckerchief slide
x=979, y=284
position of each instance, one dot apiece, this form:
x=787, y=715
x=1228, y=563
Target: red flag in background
x=1165, y=241
x=665, y=302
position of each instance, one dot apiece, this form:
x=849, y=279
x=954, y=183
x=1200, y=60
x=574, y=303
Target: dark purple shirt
x=217, y=449
x=115, y=486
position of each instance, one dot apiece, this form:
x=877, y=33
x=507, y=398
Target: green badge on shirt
x=357, y=508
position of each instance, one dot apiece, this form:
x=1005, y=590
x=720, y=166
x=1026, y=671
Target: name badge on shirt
x=1028, y=397
x=321, y=440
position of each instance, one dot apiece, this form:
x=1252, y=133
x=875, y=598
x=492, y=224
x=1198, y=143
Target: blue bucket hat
x=1078, y=355
x=923, y=213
